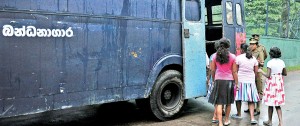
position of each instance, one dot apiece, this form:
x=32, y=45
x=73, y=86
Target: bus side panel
x=157, y=68
x=156, y=40
x=108, y=59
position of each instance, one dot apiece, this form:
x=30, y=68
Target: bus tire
x=167, y=96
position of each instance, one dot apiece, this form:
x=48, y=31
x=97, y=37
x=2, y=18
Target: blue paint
x=194, y=50
x=230, y=30
x=111, y=57
x=118, y=50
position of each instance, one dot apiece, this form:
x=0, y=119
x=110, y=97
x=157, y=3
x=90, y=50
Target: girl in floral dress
x=274, y=86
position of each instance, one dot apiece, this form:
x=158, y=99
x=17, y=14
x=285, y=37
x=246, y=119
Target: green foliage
x=256, y=17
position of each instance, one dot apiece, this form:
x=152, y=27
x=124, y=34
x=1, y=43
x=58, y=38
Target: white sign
x=31, y=31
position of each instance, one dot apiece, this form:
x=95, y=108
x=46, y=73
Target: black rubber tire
x=167, y=96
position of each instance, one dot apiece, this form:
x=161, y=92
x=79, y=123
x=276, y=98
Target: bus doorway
x=213, y=24
x=225, y=18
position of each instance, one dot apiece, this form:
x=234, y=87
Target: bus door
x=233, y=23
x=240, y=33
x=193, y=44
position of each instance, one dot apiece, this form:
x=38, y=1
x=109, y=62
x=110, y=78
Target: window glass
x=229, y=15
x=217, y=14
x=192, y=10
x=239, y=15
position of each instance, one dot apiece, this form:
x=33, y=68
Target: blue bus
x=58, y=54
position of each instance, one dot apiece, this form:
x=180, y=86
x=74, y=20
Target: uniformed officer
x=260, y=46
x=258, y=53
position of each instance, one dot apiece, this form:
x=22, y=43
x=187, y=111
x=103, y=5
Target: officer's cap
x=253, y=41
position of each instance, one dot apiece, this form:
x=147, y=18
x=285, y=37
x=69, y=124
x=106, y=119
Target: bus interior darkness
x=213, y=24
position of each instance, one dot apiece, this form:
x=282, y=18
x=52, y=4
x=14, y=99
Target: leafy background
x=278, y=18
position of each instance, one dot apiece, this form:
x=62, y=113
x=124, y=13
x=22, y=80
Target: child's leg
x=279, y=113
x=270, y=113
x=251, y=107
x=219, y=114
x=227, y=112
x=238, y=107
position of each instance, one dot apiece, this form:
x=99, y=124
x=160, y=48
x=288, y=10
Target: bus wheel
x=167, y=96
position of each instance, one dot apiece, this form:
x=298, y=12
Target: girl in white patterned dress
x=274, y=86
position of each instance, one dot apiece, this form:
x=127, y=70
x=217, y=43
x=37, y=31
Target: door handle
x=186, y=33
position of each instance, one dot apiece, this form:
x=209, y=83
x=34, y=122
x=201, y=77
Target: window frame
x=228, y=10
x=239, y=16
x=199, y=10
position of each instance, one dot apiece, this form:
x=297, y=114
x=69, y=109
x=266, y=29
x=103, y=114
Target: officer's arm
x=261, y=58
x=268, y=72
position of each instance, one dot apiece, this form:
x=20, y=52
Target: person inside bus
x=224, y=74
x=247, y=70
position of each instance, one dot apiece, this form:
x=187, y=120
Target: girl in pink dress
x=274, y=86
x=224, y=75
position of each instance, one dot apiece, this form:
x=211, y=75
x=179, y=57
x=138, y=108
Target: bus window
x=239, y=15
x=229, y=15
x=213, y=24
x=192, y=12
x=217, y=14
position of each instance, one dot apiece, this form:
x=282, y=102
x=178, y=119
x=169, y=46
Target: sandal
x=227, y=123
x=253, y=122
x=235, y=116
x=267, y=123
x=214, y=121
x=247, y=111
x=256, y=113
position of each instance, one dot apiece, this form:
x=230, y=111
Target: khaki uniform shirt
x=259, y=55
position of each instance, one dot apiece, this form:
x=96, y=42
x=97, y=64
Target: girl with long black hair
x=224, y=74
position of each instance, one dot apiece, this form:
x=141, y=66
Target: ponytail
x=222, y=51
x=249, y=54
x=222, y=55
x=245, y=49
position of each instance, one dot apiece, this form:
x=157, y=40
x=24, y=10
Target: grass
x=293, y=68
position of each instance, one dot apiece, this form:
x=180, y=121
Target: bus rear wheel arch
x=167, y=96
